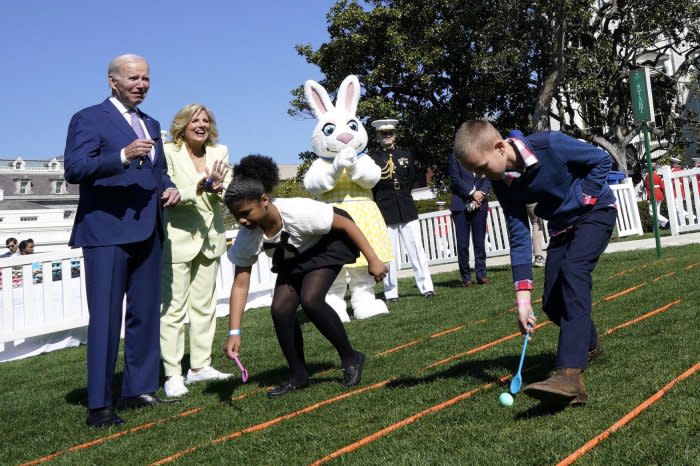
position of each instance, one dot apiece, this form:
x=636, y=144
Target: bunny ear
x=349, y=94
x=317, y=98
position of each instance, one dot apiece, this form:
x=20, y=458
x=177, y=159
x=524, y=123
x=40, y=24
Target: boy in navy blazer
x=113, y=151
x=567, y=178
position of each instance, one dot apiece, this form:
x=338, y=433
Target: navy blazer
x=463, y=183
x=118, y=204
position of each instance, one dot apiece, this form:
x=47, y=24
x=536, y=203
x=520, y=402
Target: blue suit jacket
x=463, y=183
x=118, y=204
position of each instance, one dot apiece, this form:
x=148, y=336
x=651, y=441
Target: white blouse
x=304, y=223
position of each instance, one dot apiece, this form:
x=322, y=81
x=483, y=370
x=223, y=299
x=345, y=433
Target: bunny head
x=338, y=127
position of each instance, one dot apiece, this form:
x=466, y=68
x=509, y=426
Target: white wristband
x=235, y=331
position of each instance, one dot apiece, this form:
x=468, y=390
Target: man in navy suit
x=114, y=152
x=469, y=208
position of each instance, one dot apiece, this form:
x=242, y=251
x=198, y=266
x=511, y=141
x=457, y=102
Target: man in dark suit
x=469, y=208
x=114, y=152
x=393, y=197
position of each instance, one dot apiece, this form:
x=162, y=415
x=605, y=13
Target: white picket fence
x=33, y=310
x=439, y=239
x=682, y=192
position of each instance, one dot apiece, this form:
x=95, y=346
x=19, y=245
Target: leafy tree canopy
x=435, y=63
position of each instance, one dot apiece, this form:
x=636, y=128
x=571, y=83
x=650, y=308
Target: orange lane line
x=621, y=273
x=387, y=430
x=400, y=347
x=627, y=417
x=244, y=395
x=670, y=274
x=247, y=394
x=113, y=436
x=692, y=265
x=449, y=330
x=310, y=408
x=623, y=292
x=327, y=371
x=271, y=422
x=402, y=423
x=643, y=317
x=479, y=348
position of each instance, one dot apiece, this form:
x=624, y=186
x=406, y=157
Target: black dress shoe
x=286, y=387
x=392, y=300
x=429, y=294
x=143, y=401
x=353, y=373
x=103, y=417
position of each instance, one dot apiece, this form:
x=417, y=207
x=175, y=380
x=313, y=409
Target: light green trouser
x=188, y=289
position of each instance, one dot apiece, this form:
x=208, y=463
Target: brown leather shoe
x=467, y=283
x=564, y=387
x=595, y=353
x=482, y=281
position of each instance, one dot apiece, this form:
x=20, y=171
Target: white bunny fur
x=337, y=139
x=338, y=150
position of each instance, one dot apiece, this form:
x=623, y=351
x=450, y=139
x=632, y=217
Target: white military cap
x=385, y=125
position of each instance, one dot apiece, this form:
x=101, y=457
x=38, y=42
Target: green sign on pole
x=642, y=102
x=643, y=110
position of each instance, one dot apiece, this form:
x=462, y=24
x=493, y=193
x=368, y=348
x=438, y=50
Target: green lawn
x=430, y=401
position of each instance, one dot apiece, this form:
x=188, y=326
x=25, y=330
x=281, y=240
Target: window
x=28, y=219
x=59, y=187
x=24, y=186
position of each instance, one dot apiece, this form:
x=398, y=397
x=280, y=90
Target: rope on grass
x=479, y=348
x=271, y=422
x=623, y=292
x=627, y=418
x=658, y=310
x=113, y=436
x=436, y=335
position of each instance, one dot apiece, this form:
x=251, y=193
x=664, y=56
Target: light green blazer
x=197, y=222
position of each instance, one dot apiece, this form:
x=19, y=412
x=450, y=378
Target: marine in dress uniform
x=393, y=196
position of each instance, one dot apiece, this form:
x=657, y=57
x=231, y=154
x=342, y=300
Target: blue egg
x=506, y=399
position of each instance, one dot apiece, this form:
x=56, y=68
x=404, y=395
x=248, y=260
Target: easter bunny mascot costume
x=344, y=176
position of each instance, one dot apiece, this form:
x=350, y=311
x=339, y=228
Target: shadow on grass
x=79, y=396
x=484, y=369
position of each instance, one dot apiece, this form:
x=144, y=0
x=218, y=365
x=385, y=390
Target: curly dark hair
x=253, y=176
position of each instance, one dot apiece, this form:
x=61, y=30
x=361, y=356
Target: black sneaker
x=287, y=387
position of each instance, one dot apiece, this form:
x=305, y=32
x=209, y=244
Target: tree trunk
x=540, y=118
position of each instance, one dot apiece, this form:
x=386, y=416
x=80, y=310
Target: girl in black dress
x=309, y=242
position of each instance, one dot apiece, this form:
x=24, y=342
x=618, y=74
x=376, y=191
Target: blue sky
x=237, y=57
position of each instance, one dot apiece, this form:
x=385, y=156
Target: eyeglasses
x=386, y=134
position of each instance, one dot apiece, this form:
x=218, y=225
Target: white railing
x=44, y=293
x=628, y=219
x=439, y=240
x=682, y=199
x=41, y=294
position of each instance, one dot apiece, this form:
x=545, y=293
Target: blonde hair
x=474, y=134
x=183, y=118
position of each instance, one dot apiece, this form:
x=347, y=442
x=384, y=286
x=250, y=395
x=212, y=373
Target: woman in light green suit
x=194, y=241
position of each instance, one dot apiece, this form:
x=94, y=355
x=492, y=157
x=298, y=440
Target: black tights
x=310, y=291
